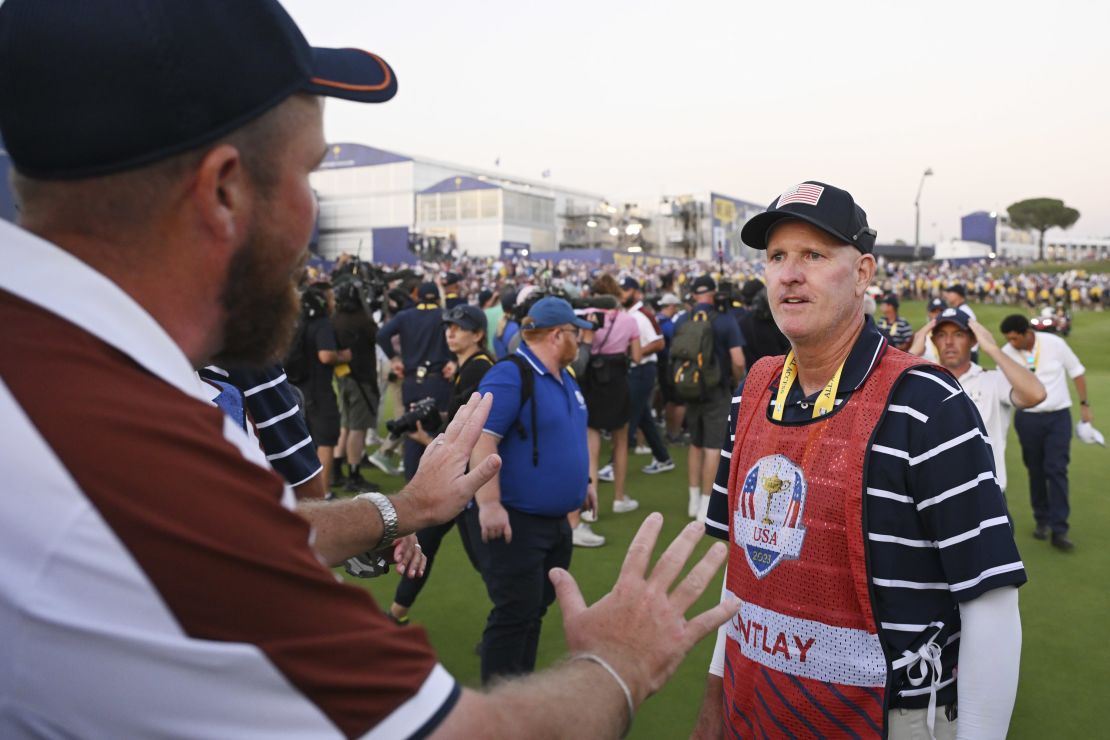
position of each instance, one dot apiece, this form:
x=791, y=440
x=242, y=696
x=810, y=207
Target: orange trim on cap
x=360, y=88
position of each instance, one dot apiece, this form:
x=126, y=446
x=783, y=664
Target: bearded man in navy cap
x=869, y=540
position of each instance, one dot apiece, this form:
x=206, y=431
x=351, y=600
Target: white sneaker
x=694, y=505
x=625, y=505
x=703, y=508
x=642, y=450
x=589, y=515
x=658, y=467
x=380, y=462
x=583, y=536
x=606, y=473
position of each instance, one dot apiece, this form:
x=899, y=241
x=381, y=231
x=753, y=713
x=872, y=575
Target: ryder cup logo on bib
x=768, y=521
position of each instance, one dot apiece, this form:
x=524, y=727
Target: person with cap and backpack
x=706, y=363
x=520, y=529
x=869, y=539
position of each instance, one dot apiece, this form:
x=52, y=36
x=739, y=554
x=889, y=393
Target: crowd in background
x=660, y=349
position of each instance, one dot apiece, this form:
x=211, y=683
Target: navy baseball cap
x=829, y=208
x=890, y=299
x=936, y=305
x=467, y=317
x=428, y=291
x=630, y=283
x=958, y=289
x=703, y=284
x=952, y=316
x=555, y=311
x=451, y=278
x=89, y=89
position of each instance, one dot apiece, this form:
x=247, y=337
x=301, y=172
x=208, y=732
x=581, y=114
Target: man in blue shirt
x=424, y=362
x=522, y=514
x=707, y=420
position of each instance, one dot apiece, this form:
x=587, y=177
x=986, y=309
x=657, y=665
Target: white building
x=994, y=230
x=1076, y=248
x=375, y=200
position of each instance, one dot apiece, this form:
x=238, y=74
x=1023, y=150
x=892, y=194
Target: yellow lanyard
x=825, y=401
x=427, y=306
x=1032, y=359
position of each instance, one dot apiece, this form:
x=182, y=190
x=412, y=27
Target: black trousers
x=515, y=574
x=430, y=539
x=1045, y=450
x=641, y=388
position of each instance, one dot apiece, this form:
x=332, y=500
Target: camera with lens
x=592, y=306
x=359, y=284
x=423, y=412
x=727, y=296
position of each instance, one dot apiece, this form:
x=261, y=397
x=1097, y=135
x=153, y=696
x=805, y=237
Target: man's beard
x=629, y=302
x=262, y=306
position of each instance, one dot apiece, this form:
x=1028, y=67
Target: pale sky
x=632, y=100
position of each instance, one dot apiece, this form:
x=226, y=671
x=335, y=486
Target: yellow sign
x=724, y=210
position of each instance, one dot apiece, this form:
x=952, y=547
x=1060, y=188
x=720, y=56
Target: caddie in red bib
x=866, y=528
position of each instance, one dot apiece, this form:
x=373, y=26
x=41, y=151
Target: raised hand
x=640, y=626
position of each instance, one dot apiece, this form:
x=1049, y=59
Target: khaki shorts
x=911, y=724
x=354, y=411
x=707, y=421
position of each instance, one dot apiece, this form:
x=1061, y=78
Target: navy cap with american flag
x=829, y=208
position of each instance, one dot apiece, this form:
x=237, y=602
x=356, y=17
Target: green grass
x=1065, y=606
x=1089, y=266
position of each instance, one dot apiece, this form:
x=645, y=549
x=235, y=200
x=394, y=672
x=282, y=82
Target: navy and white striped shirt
x=281, y=427
x=938, y=530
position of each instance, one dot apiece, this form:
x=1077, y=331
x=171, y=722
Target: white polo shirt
x=1053, y=362
x=990, y=390
x=647, y=333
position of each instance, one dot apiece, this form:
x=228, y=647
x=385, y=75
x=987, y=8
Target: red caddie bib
x=803, y=655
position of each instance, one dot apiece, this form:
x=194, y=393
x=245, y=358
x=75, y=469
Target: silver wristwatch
x=389, y=517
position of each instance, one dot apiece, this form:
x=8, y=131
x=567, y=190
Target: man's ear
x=222, y=194
x=865, y=272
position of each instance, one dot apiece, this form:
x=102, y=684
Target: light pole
x=917, y=214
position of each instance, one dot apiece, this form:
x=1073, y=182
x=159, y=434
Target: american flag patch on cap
x=806, y=193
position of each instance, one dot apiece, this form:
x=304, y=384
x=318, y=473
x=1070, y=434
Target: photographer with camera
x=357, y=382
x=310, y=366
x=465, y=331
x=424, y=362
x=605, y=385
